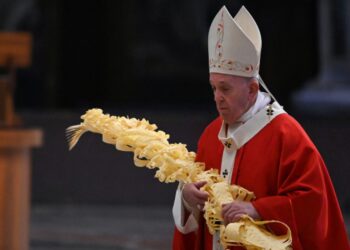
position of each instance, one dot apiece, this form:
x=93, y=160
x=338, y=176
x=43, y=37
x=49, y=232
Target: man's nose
x=218, y=96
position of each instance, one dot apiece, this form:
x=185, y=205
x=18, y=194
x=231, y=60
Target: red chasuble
x=283, y=168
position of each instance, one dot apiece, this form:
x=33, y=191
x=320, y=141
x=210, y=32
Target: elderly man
x=254, y=143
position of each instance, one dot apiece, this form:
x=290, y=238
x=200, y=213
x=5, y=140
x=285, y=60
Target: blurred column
x=15, y=170
x=329, y=92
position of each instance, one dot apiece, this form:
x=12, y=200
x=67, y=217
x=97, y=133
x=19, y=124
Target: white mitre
x=234, y=44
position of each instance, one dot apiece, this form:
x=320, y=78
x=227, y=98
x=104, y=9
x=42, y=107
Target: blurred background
x=149, y=59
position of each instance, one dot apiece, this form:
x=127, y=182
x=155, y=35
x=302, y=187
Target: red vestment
x=281, y=165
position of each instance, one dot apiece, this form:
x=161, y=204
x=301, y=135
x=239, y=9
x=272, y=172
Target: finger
x=200, y=184
x=231, y=214
x=232, y=206
x=232, y=217
x=226, y=207
x=237, y=217
x=200, y=195
x=227, y=219
x=226, y=214
x=225, y=211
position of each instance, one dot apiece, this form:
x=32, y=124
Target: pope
x=255, y=144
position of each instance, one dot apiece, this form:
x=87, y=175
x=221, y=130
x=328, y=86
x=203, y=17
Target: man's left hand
x=232, y=212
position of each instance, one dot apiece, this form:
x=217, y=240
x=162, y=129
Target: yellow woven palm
x=174, y=162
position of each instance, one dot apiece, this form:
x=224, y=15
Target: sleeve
x=188, y=234
x=186, y=219
x=183, y=222
x=301, y=200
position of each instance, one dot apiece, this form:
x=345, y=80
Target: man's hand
x=192, y=194
x=232, y=212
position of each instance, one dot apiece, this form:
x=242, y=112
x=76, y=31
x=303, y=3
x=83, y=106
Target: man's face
x=232, y=94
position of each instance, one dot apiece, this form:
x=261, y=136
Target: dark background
x=112, y=53
x=149, y=59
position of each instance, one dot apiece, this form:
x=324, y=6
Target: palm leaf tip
x=73, y=134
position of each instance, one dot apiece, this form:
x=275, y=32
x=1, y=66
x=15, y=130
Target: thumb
x=200, y=184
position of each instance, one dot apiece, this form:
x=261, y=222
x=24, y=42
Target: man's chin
x=226, y=119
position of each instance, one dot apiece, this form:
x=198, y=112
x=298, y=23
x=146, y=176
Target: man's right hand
x=193, y=196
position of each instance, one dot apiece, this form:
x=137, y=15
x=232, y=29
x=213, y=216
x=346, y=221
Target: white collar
x=258, y=116
x=262, y=100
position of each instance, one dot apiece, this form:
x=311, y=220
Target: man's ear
x=253, y=87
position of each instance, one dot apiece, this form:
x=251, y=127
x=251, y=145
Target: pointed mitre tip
x=224, y=9
x=243, y=10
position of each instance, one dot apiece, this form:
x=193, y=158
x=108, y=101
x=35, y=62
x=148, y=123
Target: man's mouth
x=222, y=108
